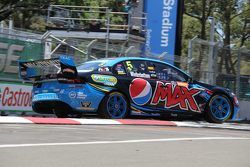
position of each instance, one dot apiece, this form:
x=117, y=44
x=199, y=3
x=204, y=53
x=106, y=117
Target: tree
x=200, y=10
x=227, y=13
x=8, y=7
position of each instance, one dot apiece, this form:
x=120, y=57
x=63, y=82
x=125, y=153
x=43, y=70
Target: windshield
x=90, y=66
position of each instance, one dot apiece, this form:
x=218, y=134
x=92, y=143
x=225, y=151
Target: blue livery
x=119, y=87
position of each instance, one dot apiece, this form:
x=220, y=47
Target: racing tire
x=219, y=109
x=63, y=114
x=114, y=106
x=60, y=114
x=66, y=112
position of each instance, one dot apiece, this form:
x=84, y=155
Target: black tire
x=115, y=109
x=66, y=112
x=219, y=109
x=60, y=113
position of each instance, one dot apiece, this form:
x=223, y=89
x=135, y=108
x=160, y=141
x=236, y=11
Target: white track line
x=96, y=121
x=16, y=120
x=121, y=142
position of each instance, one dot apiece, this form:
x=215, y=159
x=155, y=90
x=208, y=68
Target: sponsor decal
x=184, y=84
x=56, y=90
x=153, y=75
x=152, y=72
x=120, y=69
x=151, y=68
x=72, y=94
x=15, y=97
x=140, y=91
x=174, y=95
x=45, y=96
x=62, y=91
x=81, y=95
x=121, y=72
x=86, y=106
x=68, y=70
x=41, y=63
x=103, y=69
x=129, y=66
x=143, y=75
x=142, y=67
x=104, y=79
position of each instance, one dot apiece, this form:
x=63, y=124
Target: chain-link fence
x=89, y=49
x=222, y=66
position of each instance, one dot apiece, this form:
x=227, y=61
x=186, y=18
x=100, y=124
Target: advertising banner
x=12, y=50
x=15, y=97
x=161, y=26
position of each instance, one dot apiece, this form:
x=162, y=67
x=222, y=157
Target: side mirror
x=190, y=80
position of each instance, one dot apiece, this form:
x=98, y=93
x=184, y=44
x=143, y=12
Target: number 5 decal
x=129, y=65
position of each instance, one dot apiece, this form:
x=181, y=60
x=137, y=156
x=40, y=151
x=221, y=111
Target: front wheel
x=114, y=105
x=219, y=109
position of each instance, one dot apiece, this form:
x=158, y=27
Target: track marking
x=121, y=142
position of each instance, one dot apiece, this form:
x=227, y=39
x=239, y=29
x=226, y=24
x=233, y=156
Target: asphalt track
x=40, y=145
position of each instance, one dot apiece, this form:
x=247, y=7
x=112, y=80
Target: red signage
x=15, y=97
x=174, y=95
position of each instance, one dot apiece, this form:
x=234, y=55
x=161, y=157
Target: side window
x=137, y=68
x=119, y=69
x=166, y=72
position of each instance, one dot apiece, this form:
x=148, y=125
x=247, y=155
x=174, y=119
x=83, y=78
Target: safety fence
x=223, y=66
x=95, y=18
x=107, y=33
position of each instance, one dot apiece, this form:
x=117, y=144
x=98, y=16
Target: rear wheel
x=219, y=109
x=66, y=112
x=114, y=105
x=60, y=113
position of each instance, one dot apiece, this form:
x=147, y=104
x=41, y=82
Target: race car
x=118, y=87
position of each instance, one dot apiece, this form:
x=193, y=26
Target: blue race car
x=118, y=87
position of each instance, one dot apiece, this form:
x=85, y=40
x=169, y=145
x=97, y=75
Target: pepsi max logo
x=140, y=91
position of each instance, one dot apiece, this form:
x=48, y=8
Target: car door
x=171, y=90
x=133, y=76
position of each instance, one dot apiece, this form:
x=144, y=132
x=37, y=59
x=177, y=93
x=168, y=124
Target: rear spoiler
x=61, y=67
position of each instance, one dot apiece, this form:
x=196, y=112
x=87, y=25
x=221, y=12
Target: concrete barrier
x=244, y=110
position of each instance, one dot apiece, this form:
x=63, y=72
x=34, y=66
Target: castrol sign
x=15, y=97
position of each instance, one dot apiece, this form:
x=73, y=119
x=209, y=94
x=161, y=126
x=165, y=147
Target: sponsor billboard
x=12, y=50
x=15, y=97
x=162, y=26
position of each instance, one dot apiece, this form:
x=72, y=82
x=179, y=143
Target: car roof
x=112, y=61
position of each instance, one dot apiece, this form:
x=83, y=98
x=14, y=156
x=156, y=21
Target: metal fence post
x=129, y=24
x=128, y=50
x=108, y=29
x=190, y=51
x=215, y=70
x=238, y=73
x=211, y=53
x=89, y=47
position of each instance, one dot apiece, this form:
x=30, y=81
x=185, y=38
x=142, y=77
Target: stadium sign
x=162, y=26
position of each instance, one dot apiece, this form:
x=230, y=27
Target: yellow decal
x=129, y=65
x=151, y=68
x=183, y=84
x=104, y=79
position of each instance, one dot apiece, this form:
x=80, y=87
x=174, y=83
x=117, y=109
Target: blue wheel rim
x=220, y=108
x=116, y=106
